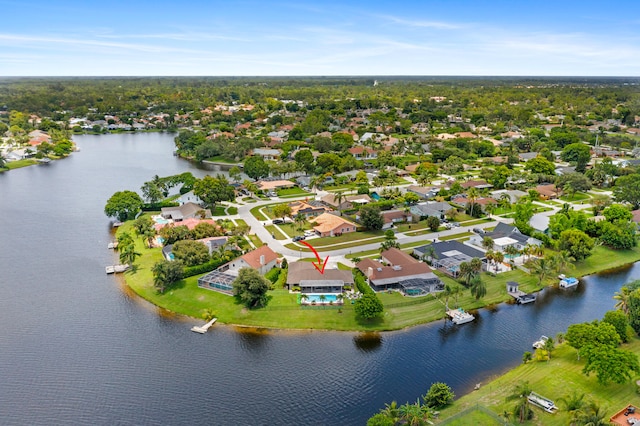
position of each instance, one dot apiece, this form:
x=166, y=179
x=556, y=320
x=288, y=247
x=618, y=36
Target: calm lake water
x=77, y=348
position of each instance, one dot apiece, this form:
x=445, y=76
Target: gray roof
x=505, y=230
x=305, y=271
x=442, y=247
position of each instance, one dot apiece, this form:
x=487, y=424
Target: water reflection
x=368, y=342
x=254, y=340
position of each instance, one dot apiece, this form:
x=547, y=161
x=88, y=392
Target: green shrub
x=361, y=282
x=202, y=269
x=150, y=207
x=273, y=275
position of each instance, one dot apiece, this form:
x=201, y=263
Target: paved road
x=337, y=255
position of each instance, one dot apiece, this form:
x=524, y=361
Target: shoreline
x=370, y=328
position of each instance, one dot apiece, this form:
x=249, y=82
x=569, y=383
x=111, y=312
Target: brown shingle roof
x=253, y=257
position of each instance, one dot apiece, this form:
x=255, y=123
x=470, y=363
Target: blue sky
x=429, y=37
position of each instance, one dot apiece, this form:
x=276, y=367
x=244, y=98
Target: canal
x=76, y=347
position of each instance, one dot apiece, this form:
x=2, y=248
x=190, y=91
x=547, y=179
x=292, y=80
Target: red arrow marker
x=320, y=266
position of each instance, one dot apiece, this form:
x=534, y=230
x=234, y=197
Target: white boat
x=540, y=401
x=539, y=344
x=459, y=316
x=568, y=282
x=109, y=269
x=526, y=298
x=112, y=245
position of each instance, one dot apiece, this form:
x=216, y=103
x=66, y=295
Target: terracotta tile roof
x=327, y=222
x=253, y=257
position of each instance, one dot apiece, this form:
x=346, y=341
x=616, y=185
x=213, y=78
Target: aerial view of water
x=77, y=347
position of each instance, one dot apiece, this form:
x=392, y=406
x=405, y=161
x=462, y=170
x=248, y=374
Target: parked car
x=309, y=233
x=478, y=231
x=277, y=221
x=271, y=194
x=298, y=238
x=287, y=219
x=455, y=224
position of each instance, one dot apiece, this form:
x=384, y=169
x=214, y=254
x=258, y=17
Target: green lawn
x=273, y=231
x=578, y=196
x=556, y=379
x=604, y=258
x=292, y=192
x=283, y=311
x=20, y=163
x=221, y=159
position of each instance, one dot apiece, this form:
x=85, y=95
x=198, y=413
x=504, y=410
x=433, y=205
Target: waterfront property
x=504, y=236
x=305, y=276
x=212, y=244
x=401, y=272
x=447, y=256
x=188, y=210
x=263, y=259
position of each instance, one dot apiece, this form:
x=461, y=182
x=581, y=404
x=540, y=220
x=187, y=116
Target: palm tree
x=208, y=314
x=392, y=412
x=303, y=297
x=472, y=196
x=487, y=243
x=622, y=299
x=549, y=345
x=542, y=268
x=562, y=260
x=322, y=298
x=339, y=197
x=573, y=403
x=591, y=415
x=521, y=393
x=490, y=208
x=478, y=287
x=490, y=255
x=498, y=258
x=299, y=220
x=505, y=201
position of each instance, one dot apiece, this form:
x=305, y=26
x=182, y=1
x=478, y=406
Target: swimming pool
x=316, y=298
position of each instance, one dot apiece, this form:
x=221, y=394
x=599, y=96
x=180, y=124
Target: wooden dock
x=203, y=329
x=116, y=269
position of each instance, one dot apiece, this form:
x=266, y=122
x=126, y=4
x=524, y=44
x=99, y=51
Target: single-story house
x=526, y=156
x=448, y=255
x=329, y=225
x=304, y=181
x=402, y=272
x=391, y=217
x=480, y=184
x=514, y=194
x=549, y=191
x=188, y=210
x=270, y=185
x=503, y=236
x=189, y=197
x=424, y=192
x=437, y=209
x=307, y=208
x=349, y=201
x=540, y=222
x=310, y=280
x=263, y=259
x=481, y=201
x=363, y=153
x=212, y=244
x=267, y=154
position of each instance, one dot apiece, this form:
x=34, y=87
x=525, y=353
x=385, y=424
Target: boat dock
x=203, y=329
x=520, y=296
x=116, y=269
x=459, y=316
